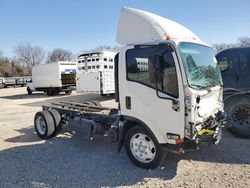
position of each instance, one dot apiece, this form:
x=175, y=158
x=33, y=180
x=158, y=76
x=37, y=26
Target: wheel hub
x=142, y=147
x=241, y=114
x=40, y=124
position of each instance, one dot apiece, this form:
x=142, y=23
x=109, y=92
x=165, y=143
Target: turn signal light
x=179, y=140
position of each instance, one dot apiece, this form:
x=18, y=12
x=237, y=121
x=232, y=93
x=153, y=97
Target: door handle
x=176, y=105
x=128, y=102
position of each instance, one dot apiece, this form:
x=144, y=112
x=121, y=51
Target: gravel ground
x=70, y=161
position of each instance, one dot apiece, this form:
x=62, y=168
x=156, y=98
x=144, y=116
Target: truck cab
x=234, y=64
x=168, y=86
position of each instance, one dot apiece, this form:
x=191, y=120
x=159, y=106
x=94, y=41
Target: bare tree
x=29, y=55
x=1, y=54
x=101, y=47
x=244, y=41
x=220, y=47
x=59, y=54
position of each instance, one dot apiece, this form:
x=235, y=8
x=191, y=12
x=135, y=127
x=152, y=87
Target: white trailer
x=168, y=87
x=1, y=82
x=96, y=72
x=53, y=78
x=14, y=81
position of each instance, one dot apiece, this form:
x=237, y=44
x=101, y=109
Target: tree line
x=242, y=42
x=27, y=56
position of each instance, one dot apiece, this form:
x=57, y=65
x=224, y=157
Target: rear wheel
x=238, y=109
x=142, y=148
x=57, y=121
x=44, y=124
x=50, y=92
x=29, y=91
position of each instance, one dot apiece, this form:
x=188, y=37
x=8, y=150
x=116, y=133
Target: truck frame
x=168, y=89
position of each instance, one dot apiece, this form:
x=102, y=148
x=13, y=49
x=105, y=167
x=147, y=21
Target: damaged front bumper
x=211, y=129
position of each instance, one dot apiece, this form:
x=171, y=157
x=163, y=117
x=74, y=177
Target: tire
x=57, y=121
x=68, y=92
x=44, y=124
x=142, y=148
x=238, y=109
x=29, y=91
x=50, y=92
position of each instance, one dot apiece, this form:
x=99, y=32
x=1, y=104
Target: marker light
x=167, y=37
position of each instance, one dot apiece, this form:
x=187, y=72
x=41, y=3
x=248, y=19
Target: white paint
x=49, y=75
x=137, y=26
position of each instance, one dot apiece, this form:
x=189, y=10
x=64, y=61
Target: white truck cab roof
x=137, y=26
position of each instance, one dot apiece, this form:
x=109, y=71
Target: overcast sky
x=81, y=25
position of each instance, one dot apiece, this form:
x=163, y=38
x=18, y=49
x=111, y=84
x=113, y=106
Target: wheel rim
x=142, y=148
x=40, y=125
x=241, y=115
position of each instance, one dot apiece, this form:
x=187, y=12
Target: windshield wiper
x=199, y=86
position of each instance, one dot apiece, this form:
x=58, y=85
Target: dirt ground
x=70, y=161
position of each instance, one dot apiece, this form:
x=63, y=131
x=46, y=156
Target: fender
x=129, y=122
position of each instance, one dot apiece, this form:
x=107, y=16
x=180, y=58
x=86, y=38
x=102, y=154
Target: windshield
x=200, y=66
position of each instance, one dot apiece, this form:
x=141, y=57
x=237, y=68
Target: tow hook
x=183, y=148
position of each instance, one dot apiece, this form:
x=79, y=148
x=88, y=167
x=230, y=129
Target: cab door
x=244, y=69
x=151, y=90
x=228, y=63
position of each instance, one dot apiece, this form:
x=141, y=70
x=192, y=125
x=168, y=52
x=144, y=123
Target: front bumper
x=211, y=129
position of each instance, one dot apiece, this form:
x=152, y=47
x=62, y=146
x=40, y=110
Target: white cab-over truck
x=168, y=89
x=53, y=78
x=96, y=72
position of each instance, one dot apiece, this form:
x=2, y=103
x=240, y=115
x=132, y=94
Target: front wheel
x=238, y=109
x=142, y=148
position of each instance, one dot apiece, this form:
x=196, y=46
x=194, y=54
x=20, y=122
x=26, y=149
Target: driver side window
x=141, y=69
